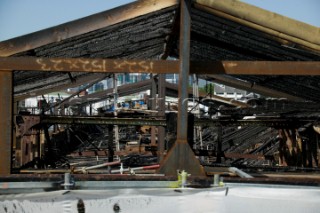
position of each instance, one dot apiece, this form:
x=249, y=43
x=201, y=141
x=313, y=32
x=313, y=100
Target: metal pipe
x=132, y=170
x=240, y=173
x=97, y=166
x=67, y=181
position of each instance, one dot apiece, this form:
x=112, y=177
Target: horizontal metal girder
x=102, y=121
x=160, y=66
x=88, y=65
x=256, y=67
x=271, y=122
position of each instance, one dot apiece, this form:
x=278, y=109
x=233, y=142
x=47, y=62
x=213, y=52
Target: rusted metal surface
x=257, y=67
x=82, y=26
x=161, y=113
x=161, y=66
x=184, y=67
x=88, y=65
x=5, y=121
x=265, y=21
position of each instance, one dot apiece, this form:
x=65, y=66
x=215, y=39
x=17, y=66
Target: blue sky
x=19, y=17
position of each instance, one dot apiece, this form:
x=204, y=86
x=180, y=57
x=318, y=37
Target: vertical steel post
x=162, y=109
x=110, y=143
x=5, y=121
x=153, y=106
x=184, y=57
x=181, y=157
x=115, y=106
x=219, y=145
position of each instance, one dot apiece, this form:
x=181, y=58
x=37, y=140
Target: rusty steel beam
x=160, y=66
x=161, y=113
x=82, y=26
x=88, y=65
x=31, y=120
x=256, y=67
x=5, y=122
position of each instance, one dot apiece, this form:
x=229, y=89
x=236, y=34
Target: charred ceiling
x=144, y=37
x=147, y=37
